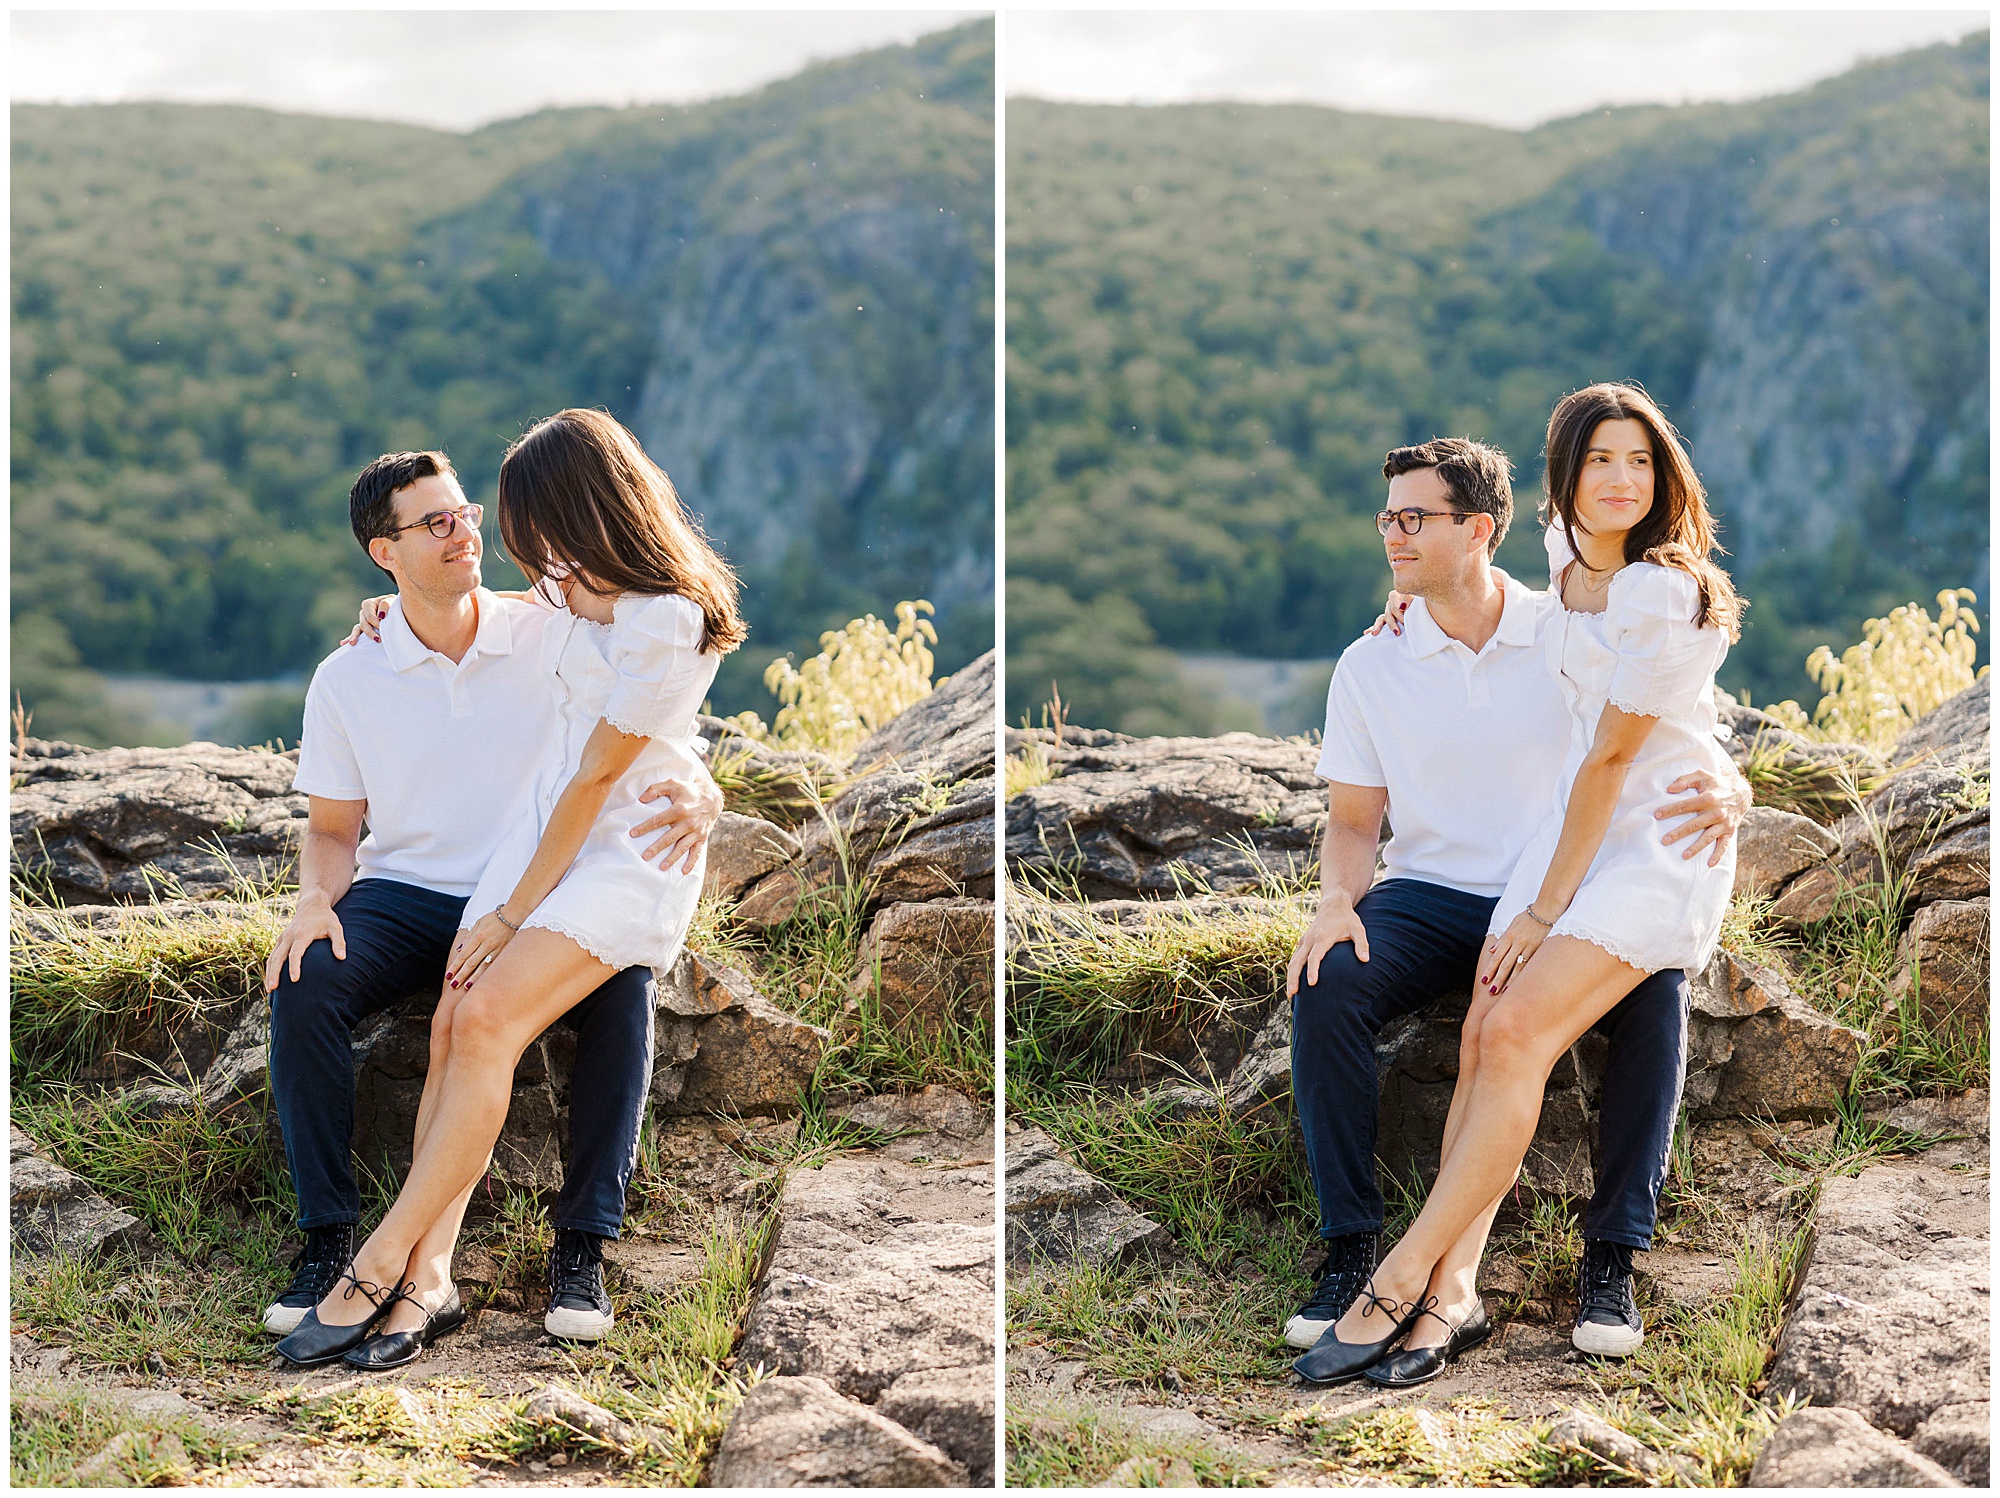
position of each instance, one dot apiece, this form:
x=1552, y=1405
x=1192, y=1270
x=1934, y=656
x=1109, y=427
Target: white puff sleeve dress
x=1640, y=900
x=645, y=673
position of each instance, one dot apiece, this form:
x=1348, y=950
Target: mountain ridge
x=1220, y=316
x=289, y=295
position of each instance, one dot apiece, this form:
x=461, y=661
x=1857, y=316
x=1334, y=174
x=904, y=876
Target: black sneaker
x=318, y=1265
x=1607, y=1318
x=579, y=1310
x=1350, y=1259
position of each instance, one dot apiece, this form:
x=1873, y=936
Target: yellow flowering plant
x=862, y=677
x=1904, y=666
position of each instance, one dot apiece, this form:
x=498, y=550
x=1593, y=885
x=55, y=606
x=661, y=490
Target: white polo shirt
x=444, y=753
x=1470, y=747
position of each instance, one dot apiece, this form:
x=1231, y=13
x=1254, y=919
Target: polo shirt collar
x=1517, y=613
x=1517, y=620
x=495, y=635
x=1422, y=631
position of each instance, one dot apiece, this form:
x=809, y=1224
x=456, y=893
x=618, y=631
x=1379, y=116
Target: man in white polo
x=1456, y=729
x=432, y=735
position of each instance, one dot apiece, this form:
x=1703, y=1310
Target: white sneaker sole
x=576, y=1326
x=1605, y=1341
x=1304, y=1333
x=282, y=1320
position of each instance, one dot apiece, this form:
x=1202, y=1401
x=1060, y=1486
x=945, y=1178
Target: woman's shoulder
x=1644, y=590
x=659, y=618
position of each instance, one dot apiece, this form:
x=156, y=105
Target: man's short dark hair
x=371, y=503
x=1477, y=479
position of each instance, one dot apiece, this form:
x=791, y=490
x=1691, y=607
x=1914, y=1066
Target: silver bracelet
x=505, y=922
x=1530, y=914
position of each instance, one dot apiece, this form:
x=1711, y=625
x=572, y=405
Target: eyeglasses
x=440, y=522
x=1412, y=521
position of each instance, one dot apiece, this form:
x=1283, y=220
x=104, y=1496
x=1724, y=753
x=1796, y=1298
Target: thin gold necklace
x=1588, y=572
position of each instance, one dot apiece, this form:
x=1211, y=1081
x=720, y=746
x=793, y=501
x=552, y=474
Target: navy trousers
x=1424, y=941
x=398, y=937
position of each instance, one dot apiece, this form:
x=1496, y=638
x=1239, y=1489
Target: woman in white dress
x=647, y=612
x=1597, y=901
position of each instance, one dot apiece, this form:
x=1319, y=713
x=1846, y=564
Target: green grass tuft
x=1217, y=1181
x=80, y=992
x=1094, y=993
x=195, y=1175
x=53, y=1432
x=1056, y=1445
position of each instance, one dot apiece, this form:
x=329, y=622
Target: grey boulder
x=952, y=1408
x=1057, y=1213
x=880, y=1269
x=1836, y=1448
x=1892, y=1319
x=797, y=1432
x=53, y=1212
x=742, y=850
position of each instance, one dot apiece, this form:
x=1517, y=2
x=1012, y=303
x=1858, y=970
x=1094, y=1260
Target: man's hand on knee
x=1334, y=923
x=312, y=920
x=1714, y=810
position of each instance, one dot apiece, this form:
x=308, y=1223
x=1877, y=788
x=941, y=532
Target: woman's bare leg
x=538, y=978
x=429, y=1268
x=1455, y=1281
x=1563, y=990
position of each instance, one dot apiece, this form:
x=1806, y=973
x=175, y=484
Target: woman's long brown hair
x=1678, y=530
x=578, y=493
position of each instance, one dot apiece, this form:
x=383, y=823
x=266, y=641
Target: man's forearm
x=326, y=866
x=1346, y=864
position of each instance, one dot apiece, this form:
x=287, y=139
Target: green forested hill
x=220, y=313
x=1220, y=317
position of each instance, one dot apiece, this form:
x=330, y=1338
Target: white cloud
x=1513, y=68
x=454, y=69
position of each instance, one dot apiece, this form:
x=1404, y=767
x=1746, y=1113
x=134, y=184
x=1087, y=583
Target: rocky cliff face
x=817, y=269
x=1841, y=261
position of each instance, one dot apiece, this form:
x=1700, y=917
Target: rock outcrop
x=877, y=1303
x=52, y=1212
x=801, y=1433
x=1160, y=818
x=912, y=831
x=1836, y=1448
x=114, y=826
x=1057, y=1214
x=1889, y=1331
x=1946, y=961
x=1892, y=1320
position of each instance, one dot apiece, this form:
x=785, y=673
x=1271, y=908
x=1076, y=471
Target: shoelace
x=1396, y=1310
x=1604, y=1288
x=378, y=1296
x=319, y=1263
x=576, y=1274
x=1338, y=1279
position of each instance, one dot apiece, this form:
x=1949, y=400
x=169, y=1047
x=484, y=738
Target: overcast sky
x=455, y=69
x=1496, y=67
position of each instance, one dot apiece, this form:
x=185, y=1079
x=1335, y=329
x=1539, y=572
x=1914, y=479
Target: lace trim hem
x=1615, y=948
x=1640, y=709
x=547, y=923
x=626, y=725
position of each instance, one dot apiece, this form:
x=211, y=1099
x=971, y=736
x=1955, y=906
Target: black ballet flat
x=1419, y=1365
x=394, y=1349
x=1332, y=1361
x=313, y=1342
